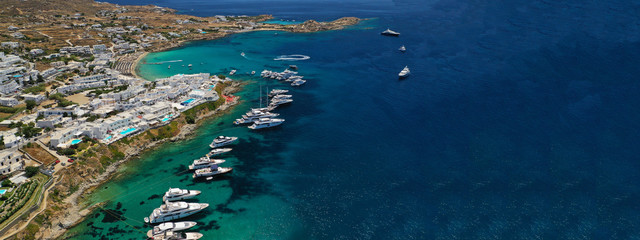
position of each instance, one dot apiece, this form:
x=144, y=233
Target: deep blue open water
x=521, y=120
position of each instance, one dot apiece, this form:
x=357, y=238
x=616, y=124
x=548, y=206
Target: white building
x=8, y=102
x=10, y=161
x=69, y=111
x=38, y=98
x=49, y=121
x=60, y=137
x=10, y=44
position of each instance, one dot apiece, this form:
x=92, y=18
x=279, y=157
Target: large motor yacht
x=169, y=226
x=266, y=123
x=218, y=151
x=390, y=32
x=222, y=141
x=404, y=73
x=170, y=235
x=211, y=171
x=204, y=162
x=176, y=194
x=174, y=210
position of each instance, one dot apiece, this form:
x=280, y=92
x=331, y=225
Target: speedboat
x=169, y=226
x=204, y=162
x=222, y=141
x=390, y=32
x=242, y=54
x=211, y=171
x=298, y=82
x=253, y=72
x=404, y=73
x=169, y=67
x=232, y=72
x=402, y=48
x=275, y=92
x=190, y=65
x=266, y=123
x=170, y=235
x=174, y=210
x=218, y=151
x=175, y=194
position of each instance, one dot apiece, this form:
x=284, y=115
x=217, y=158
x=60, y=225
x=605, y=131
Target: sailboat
x=402, y=48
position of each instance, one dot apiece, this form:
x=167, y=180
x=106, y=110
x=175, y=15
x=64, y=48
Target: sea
x=520, y=120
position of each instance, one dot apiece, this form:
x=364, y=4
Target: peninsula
x=73, y=109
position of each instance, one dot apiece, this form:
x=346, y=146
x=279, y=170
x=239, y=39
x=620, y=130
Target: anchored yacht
x=282, y=96
x=174, y=210
x=222, y=141
x=402, y=48
x=218, y=151
x=404, y=73
x=298, y=82
x=175, y=194
x=211, y=171
x=232, y=72
x=253, y=115
x=390, y=32
x=169, y=227
x=275, y=92
x=170, y=235
x=205, y=162
x=266, y=123
x=280, y=101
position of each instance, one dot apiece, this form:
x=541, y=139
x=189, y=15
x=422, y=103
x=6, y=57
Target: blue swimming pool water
x=125, y=132
x=3, y=191
x=108, y=137
x=76, y=141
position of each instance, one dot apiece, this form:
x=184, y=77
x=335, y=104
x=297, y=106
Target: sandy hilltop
x=128, y=32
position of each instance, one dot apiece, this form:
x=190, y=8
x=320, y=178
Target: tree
x=190, y=119
x=31, y=171
x=40, y=78
x=31, y=104
x=7, y=183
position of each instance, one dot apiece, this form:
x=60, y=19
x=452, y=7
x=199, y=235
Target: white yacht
x=190, y=65
x=402, y=48
x=170, y=226
x=211, y=171
x=170, y=235
x=222, y=141
x=298, y=82
x=249, y=119
x=278, y=102
x=205, y=162
x=404, y=73
x=390, y=32
x=282, y=96
x=266, y=123
x=174, y=210
x=175, y=194
x=218, y=151
x=232, y=72
x=275, y=92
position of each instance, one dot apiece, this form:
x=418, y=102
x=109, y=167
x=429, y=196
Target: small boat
x=390, y=32
x=402, y=48
x=205, y=162
x=253, y=72
x=242, y=54
x=175, y=194
x=218, y=151
x=282, y=96
x=190, y=65
x=294, y=67
x=266, y=123
x=232, y=72
x=169, y=226
x=222, y=141
x=169, y=67
x=404, y=73
x=170, y=235
x=211, y=171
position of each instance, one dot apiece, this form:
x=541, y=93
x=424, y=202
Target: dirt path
x=43, y=206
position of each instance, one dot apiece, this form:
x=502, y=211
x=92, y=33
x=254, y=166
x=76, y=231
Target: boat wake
x=294, y=57
x=170, y=61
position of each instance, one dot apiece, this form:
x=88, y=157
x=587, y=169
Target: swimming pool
x=167, y=118
x=107, y=138
x=125, y=132
x=3, y=191
x=188, y=101
x=76, y=141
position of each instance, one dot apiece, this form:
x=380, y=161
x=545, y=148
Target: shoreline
x=77, y=211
